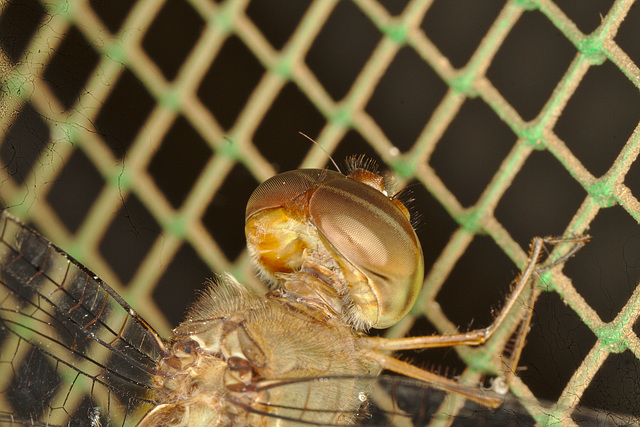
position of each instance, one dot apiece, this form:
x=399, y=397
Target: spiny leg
x=483, y=396
x=479, y=336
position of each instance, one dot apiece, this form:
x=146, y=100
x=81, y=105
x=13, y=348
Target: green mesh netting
x=132, y=133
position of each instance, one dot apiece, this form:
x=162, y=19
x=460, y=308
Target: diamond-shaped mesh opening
x=160, y=42
x=86, y=412
x=75, y=190
x=221, y=91
x=132, y=227
x=504, y=120
x=24, y=144
x=608, y=273
x=33, y=386
x=181, y=145
x=277, y=135
x=484, y=274
x=600, y=118
x=457, y=28
x=618, y=376
x=536, y=49
x=349, y=37
x=230, y=197
x=408, y=88
x=72, y=64
x=588, y=15
x=17, y=26
x=550, y=368
x=276, y=19
x=112, y=13
x=526, y=212
x=127, y=102
x=626, y=36
x=177, y=288
x=477, y=161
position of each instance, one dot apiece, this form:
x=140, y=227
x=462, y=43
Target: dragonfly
x=340, y=256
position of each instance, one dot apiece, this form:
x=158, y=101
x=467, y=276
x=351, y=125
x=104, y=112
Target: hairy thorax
x=239, y=361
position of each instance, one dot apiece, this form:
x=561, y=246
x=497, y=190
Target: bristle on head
x=365, y=170
x=360, y=161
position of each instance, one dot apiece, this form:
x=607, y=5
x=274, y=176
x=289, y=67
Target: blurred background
x=132, y=134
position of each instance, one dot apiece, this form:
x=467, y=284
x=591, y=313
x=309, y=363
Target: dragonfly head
x=350, y=221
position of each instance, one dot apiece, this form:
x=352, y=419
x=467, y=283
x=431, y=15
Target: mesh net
x=132, y=134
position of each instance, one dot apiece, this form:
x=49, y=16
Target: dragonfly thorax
x=237, y=350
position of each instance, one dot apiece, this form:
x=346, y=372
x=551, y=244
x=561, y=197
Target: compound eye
x=277, y=222
x=374, y=235
x=281, y=189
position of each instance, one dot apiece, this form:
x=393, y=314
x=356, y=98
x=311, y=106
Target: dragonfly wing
x=391, y=400
x=72, y=350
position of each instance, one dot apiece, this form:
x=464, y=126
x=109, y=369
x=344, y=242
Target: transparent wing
x=72, y=351
x=391, y=400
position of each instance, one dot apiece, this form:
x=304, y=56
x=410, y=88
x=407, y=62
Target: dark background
x=595, y=125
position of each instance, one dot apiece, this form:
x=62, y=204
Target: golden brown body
x=236, y=342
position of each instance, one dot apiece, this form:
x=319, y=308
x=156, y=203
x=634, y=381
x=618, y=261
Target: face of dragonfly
x=341, y=256
x=347, y=223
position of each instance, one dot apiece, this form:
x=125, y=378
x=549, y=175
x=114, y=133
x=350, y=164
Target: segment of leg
x=476, y=337
x=494, y=396
x=486, y=397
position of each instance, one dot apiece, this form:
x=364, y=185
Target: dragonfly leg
x=486, y=397
x=527, y=278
